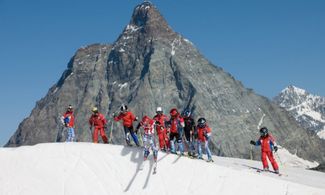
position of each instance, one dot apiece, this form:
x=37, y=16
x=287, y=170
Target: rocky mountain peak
x=306, y=108
x=291, y=89
x=147, y=18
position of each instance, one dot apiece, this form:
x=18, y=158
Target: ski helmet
x=187, y=113
x=94, y=109
x=159, y=110
x=124, y=108
x=145, y=119
x=264, y=131
x=201, y=122
x=70, y=108
x=173, y=112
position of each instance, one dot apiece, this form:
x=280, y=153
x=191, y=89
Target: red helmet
x=173, y=112
x=145, y=118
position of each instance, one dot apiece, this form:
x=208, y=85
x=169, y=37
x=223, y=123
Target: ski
x=269, y=171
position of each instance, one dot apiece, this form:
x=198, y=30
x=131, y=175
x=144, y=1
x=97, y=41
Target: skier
x=204, y=134
x=176, y=125
x=68, y=121
x=98, y=121
x=161, y=130
x=128, y=117
x=189, y=132
x=267, y=143
x=149, y=141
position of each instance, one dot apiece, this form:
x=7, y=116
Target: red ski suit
x=98, y=121
x=127, y=118
x=70, y=117
x=267, y=144
x=203, y=131
x=148, y=125
x=162, y=131
x=176, y=123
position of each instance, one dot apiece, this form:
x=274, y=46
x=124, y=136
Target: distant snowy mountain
x=86, y=168
x=306, y=108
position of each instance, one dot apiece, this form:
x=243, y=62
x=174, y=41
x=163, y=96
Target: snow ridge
x=86, y=168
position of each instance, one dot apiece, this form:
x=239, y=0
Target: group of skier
x=173, y=132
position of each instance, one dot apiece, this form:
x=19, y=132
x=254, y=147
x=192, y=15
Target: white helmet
x=159, y=110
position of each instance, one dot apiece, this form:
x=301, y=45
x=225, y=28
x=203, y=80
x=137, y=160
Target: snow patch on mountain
x=321, y=133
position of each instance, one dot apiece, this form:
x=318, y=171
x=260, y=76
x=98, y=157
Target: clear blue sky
x=265, y=44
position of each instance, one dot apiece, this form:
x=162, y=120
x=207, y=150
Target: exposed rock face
x=306, y=108
x=150, y=65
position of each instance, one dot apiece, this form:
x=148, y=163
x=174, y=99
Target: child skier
x=149, y=141
x=267, y=143
x=204, y=134
x=161, y=130
x=189, y=131
x=68, y=121
x=128, y=117
x=98, y=121
x=176, y=125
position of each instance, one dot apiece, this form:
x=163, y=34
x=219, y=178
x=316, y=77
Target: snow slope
x=85, y=168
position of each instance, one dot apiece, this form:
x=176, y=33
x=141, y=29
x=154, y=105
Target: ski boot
x=210, y=160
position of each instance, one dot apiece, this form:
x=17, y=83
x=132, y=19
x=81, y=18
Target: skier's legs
x=199, y=149
x=272, y=160
x=207, y=149
x=71, y=134
x=103, y=135
x=126, y=134
x=264, y=161
x=161, y=141
x=133, y=135
x=95, y=135
x=180, y=143
x=146, y=146
x=192, y=146
x=167, y=143
x=154, y=148
x=172, y=145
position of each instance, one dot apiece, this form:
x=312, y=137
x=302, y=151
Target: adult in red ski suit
x=128, y=118
x=267, y=143
x=161, y=129
x=176, y=125
x=98, y=121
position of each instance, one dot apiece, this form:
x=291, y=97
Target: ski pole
x=90, y=130
x=111, y=133
x=251, y=152
x=278, y=156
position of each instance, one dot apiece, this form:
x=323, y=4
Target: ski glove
x=275, y=148
x=253, y=142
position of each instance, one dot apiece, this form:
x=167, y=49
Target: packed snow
x=86, y=168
